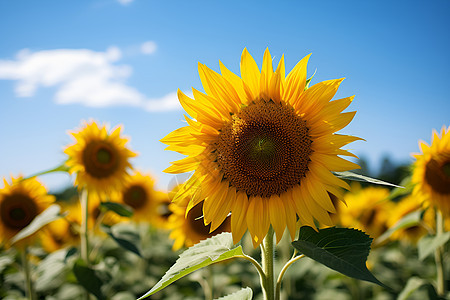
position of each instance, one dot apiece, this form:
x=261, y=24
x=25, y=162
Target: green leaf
x=413, y=284
x=209, y=251
x=243, y=294
x=341, y=249
x=125, y=239
x=47, y=216
x=118, y=208
x=357, y=177
x=87, y=278
x=61, y=168
x=409, y=220
x=429, y=243
x=406, y=187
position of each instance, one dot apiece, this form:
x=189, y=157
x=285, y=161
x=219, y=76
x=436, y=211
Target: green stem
x=84, y=227
x=27, y=271
x=280, y=276
x=84, y=231
x=439, y=256
x=267, y=255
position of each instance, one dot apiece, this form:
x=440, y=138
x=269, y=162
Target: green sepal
x=347, y=175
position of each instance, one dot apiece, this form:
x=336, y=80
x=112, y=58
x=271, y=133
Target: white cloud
x=148, y=47
x=125, y=2
x=81, y=76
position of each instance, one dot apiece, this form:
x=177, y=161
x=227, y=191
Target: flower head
x=431, y=174
x=139, y=193
x=188, y=227
x=99, y=159
x=367, y=209
x=262, y=146
x=20, y=202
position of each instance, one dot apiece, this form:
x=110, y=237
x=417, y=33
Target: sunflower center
x=17, y=211
x=135, y=196
x=100, y=159
x=437, y=175
x=265, y=149
x=196, y=222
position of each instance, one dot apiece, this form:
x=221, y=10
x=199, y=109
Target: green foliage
x=412, y=219
x=49, y=215
x=243, y=294
x=205, y=253
x=429, y=243
x=87, y=278
x=127, y=239
x=341, y=249
x=347, y=175
x=118, y=208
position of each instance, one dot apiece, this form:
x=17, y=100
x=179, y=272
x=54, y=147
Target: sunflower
x=406, y=206
x=139, y=193
x=99, y=159
x=263, y=147
x=187, y=229
x=20, y=202
x=366, y=209
x=163, y=201
x=431, y=174
x=58, y=234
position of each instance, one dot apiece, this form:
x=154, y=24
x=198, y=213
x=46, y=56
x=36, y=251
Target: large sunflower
x=20, y=202
x=99, y=159
x=188, y=228
x=139, y=193
x=431, y=174
x=263, y=147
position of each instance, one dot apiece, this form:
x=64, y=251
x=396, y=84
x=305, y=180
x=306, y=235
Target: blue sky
x=121, y=62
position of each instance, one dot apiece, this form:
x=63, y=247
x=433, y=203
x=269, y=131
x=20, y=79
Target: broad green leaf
x=61, y=168
x=209, y=251
x=87, y=278
x=47, y=216
x=243, y=294
x=409, y=220
x=341, y=249
x=125, y=239
x=429, y=243
x=118, y=208
x=357, y=177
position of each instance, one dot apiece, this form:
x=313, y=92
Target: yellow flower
x=431, y=174
x=366, y=209
x=163, y=212
x=58, y=234
x=189, y=229
x=99, y=159
x=139, y=193
x=262, y=146
x=20, y=202
x=406, y=206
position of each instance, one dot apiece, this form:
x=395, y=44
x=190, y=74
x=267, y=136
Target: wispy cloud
x=125, y=2
x=148, y=47
x=81, y=76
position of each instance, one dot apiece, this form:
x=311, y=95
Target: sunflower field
x=274, y=207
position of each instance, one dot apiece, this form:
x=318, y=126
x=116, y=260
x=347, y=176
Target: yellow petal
x=239, y=216
x=277, y=215
x=250, y=74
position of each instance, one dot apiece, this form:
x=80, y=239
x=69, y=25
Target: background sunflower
x=99, y=159
x=20, y=202
x=431, y=174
